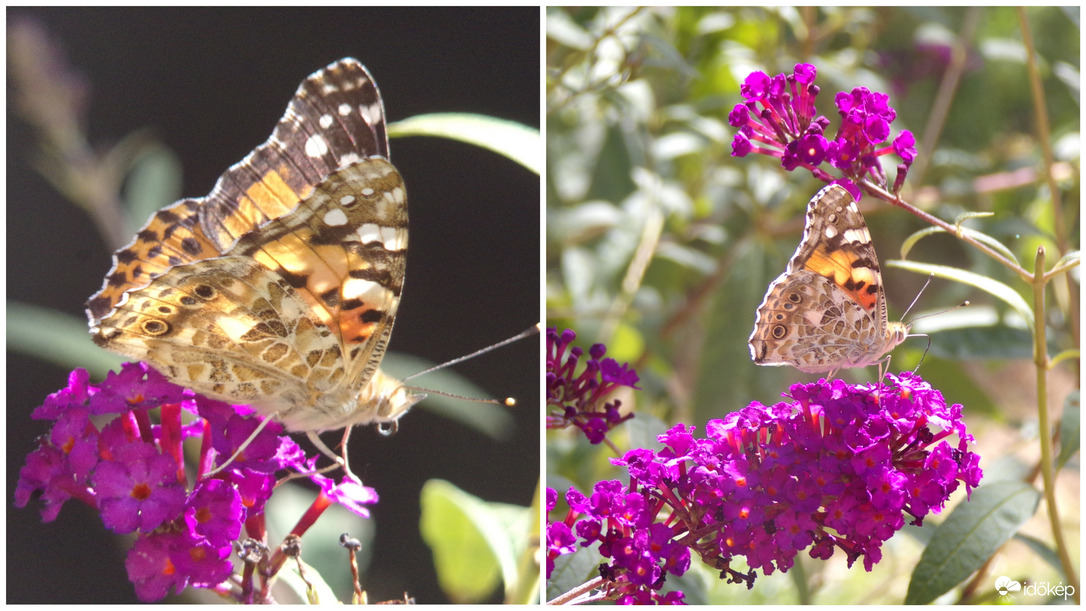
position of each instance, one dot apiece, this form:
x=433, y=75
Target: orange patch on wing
x=855, y=281
x=270, y=197
x=354, y=330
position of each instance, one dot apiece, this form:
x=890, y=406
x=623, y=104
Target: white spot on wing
x=391, y=238
x=344, y=109
x=858, y=235
x=316, y=146
x=326, y=121
x=369, y=232
x=372, y=113
x=335, y=218
x=364, y=290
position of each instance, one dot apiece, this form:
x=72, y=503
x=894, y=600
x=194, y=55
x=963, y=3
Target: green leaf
x=56, y=337
x=1069, y=429
x=970, y=536
x=474, y=542
x=984, y=283
x=572, y=570
x=982, y=343
x=153, y=183
x=983, y=238
x=518, y=142
x=1071, y=259
x=312, y=589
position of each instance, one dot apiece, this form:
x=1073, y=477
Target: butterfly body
x=827, y=311
x=280, y=288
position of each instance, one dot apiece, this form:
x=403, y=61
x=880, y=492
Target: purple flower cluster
x=838, y=467
x=779, y=119
x=641, y=550
x=132, y=471
x=575, y=398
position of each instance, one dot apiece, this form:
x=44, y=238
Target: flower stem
x=1048, y=474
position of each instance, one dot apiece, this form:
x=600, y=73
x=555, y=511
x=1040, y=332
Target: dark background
x=212, y=83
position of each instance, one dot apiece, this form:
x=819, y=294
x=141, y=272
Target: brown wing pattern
x=335, y=119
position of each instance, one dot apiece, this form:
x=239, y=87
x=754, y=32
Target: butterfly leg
x=241, y=448
x=340, y=461
x=884, y=368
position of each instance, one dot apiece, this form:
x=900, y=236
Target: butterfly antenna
x=527, y=332
x=917, y=298
x=960, y=305
x=508, y=402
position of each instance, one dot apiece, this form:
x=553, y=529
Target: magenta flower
x=779, y=119
x=132, y=472
x=839, y=467
x=579, y=399
x=137, y=491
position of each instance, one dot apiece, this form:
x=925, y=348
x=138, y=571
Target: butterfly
x=827, y=311
x=278, y=289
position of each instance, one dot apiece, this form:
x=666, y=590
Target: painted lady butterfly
x=280, y=287
x=827, y=310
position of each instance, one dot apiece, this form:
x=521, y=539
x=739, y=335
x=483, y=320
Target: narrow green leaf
x=969, y=537
x=911, y=240
x=984, y=283
x=57, y=338
x=1066, y=262
x=518, y=142
x=983, y=238
x=153, y=183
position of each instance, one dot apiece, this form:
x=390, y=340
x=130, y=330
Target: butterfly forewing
x=269, y=182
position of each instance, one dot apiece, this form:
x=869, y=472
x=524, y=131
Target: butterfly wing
x=828, y=309
x=335, y=118
x=344, y=251
x=316, y=209
x=226, y=327
x=295, y=318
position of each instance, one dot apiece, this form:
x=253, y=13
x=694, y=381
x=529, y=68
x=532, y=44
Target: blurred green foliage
x=661, y=244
